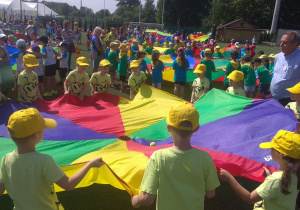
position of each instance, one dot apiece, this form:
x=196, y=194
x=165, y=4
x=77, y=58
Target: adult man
x=286, y=67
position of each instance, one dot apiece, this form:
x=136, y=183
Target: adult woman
x=97, y=51
x=68, y=37
x=123, y=32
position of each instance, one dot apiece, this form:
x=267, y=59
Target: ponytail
x=286, y=177
x=182, y=58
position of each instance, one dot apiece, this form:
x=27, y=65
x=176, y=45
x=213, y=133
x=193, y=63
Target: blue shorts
x=249, y=88
x=264, y=88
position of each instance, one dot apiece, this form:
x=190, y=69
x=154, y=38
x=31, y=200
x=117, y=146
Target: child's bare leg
x=176, y=89
x=181, y=92
x=159, y=86
x=54, y=83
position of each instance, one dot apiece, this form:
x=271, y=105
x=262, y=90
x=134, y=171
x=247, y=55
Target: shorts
x=50, y=70
x=123, y=78
x=264, y=88
x=96, y=60
x=63, y=73
x=41, y=79
x=57, y=64
x=180, y=83
x=249, y=88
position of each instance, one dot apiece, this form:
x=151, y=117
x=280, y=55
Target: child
x=236, y=79
x=250, y=78
x=150, y=48
x=34, y=41
x=252, y=50
x=157, y=67
x=170, y=50
x=210, y=66
x=238, y=50
x=264, y=79
x=188, y=51
x=28, y=31
x=134, y=49
x=113, y=59
x=122, y=66
x=136, y=79
x=177, y=44
x=50, y=66
x=143, y=65
x=166, y=42
x=100, y=81
x=77, y=80
x=157, y=43
x=201, y=84
x=181, y=66
x=271, y=63
x=11, y=40
x=178, y=167
x=247, y=52
x=63, y=61
x=21, y=44
x=280, y=189
x=88, y=39
x=264, y=60
x=233, y=65
x=295, y=106
x=217, y=53
x=79, y=36
x=28, y=80
x=146, y=42
x=37, y=172
x=36, y=51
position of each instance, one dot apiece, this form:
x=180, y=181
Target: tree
x=128, y=3
x=100, y=13
x=149, y=12
x=85, y=25
x=127, y=15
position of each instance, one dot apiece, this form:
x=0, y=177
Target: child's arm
x=2, y=189
x=4, y=97
x=69, y=183
x=59, y=58
x=83, y=91
x=21, y=90
x=238, y=189
x=66, y=86
x=224, y=70
x=44, y=53
x=132, y=91
x=193, y=95
x=92, y=88
x=144, y=199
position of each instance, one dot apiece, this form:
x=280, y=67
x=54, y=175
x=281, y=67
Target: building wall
x=241, y=24
x=239, y=35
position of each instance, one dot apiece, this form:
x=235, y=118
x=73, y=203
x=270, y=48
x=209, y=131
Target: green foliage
x=127, y=14
x=101, y=12
x=128, y=3
x=85, y=24
x=149, y=12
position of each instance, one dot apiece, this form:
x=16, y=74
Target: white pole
x=275, y=16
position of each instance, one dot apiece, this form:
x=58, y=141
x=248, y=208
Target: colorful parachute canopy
x=200, y=38
x=232, y=127
x=160, y=35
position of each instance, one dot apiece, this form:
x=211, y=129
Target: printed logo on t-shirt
x=30, y=88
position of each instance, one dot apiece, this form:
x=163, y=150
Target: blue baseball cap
x=36, y=49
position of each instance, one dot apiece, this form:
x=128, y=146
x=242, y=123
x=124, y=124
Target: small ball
x=152, y=144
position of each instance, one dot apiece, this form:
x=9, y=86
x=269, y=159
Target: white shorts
x=249, y=88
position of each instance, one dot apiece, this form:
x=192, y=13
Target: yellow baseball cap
x=200, y=69
x=30, y=60
x=237, y=46
x=134, y=41
x=155, y=52
x=142, y=51
x=123, y=47
x=29, y=121
x=271, y=55
x=135, y=63
x=82, y=61
x=263, y=56
x=295, y=89
x=113, y=44
x=105, y=62
x=218, y=47
x=285, y=142
x=207, y=50
x=183, y=112
x=236, y=76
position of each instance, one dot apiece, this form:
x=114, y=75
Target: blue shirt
x=286, y=74
x=188, y=52
x=202, y=54
x=152, y=39
x=107, y=53
x=134, y=48
x=94, y=49
x=143, y=66
x=180, y=71
x=141, y=39
x=157, y=73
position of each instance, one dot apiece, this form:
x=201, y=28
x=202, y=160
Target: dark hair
x=183, y=133
x=247, y=48
x=286, y=176
x=182, y=58
x=246, y=58
x=139, y=55
x=261, y=52
x=155, y=57
x=257, y=60
x=44, y=39
x=234, y=54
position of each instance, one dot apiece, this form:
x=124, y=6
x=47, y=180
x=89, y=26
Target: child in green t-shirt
x=201, y=84
x=36, y=172
x=122, y=66
x=236, y=79
x=279, y=190
x=136, y=79
x=171, y=49
x=230, y=67
x=178, y=167
x=271, y=63
x=295, y=106
x=150, y=48
x=113, y=59
x=217, y=53
x=100, y=81
x=157, y=43
x=210, y=66
x=264, y=79
x=145, y=44
x=250, y=78
x=166, y=42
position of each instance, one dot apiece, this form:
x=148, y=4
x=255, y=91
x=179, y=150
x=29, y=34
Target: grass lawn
x=107, y=197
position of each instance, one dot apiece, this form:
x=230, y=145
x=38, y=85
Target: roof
x=249, y=29
x=228, y=24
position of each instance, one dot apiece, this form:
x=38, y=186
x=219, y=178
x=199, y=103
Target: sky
x=95, y=5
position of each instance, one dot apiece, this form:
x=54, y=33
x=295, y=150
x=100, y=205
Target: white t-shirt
x=64, y=62
x=39, y=70
x=50, y=55
x=20, y=62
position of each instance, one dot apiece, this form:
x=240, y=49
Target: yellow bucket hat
x=200, y=69
x=26, y=122
x=142, y=51
x=135, y=63
x=218, y=47
x=113, y=44
x=105, y=63
x=207, y=50
x=123, y=47
x=155, y=52
x=236, y=76
x=134, y=41
x=263, y=56
x=183, y=112
x=82, y=61
x=295, y=89
x=30, y=60
x=285, y=142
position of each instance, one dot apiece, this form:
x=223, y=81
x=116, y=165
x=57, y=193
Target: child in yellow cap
x=77, y=80
x=217, y=53
x=230, y=67
x=201, y=84
x=113, y=59
x=29, y=176
x=141, y=54
x=134, y=48
x=210, y=66
x=122, y=66
x=295, y=106
x=264, y=60
x=271, y=63
x=150, y=48
x=28, y=80
x=236, y=80
x=100, y=81
x=136, y=79
x=178, y=167
x=250, y=77
x=157, y=67
x=279, y=190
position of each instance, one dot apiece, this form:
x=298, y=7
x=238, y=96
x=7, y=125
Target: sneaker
x=47, y=94
x=54, y=92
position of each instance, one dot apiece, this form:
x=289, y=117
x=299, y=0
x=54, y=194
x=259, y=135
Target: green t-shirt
x=271, y=67
x=122, y=66
x=199, y=85
x=293, y=106
x=180, y=178
x=30, y=84
x=210, y=67
x=230, y=69
x=149, y=50
x=169, y=51
x=136, y=81
x=112, y=58
x=145, y=45
x=166, y=44
x=217, y=55
x=237, y=92
x=157, y=44
x=264, y=75
x=76, y=82
x=273, y=198
x=99, y=82
x=29, y=179
x=249, y=74
x=176, y=48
